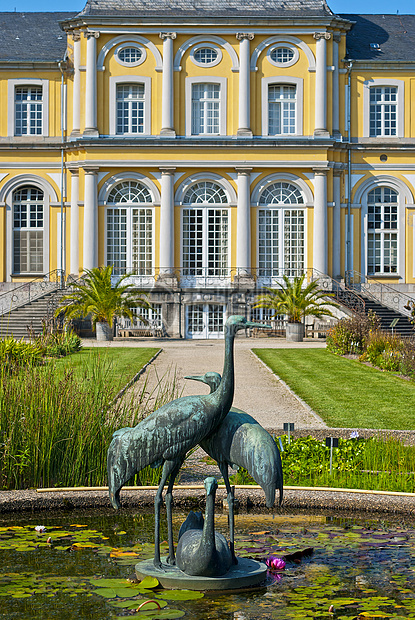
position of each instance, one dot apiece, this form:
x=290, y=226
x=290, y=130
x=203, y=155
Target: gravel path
x=257, y=390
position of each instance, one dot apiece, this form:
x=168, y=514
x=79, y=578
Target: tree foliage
x=98, y=296
x=296, y=300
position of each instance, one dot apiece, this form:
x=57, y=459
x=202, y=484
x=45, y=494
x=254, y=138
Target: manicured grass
x=122, y=362
x=344, y=392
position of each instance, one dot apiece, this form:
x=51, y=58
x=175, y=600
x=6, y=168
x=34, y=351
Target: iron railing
x=31, y=290
x=380, y=292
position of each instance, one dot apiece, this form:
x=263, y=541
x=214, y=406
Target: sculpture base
x=245, y=574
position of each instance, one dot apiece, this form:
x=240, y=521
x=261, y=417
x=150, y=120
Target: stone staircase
x=29, y=317
x=403, y=327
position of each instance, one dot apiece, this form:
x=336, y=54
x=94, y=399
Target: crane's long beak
x=195, y=377
x=260, y=325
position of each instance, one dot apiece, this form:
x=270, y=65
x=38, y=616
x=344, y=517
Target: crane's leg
x=167, y=469
x=169, y=502
x=231, y=503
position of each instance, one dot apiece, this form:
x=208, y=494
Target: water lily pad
x=116, y=592
x=149, y=582
x=136, y=603
x=160, y=614
x=181, y=595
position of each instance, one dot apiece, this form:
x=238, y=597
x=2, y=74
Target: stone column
x=336, y=222
x=167, y=222
x=167, y=108
x=320, y=221
x=91, y=218
x=244, y=129
x=335, y=90
x=243, y=223
x=321, y=83
x=91, y=84
x=74, y=245
x=76, y=95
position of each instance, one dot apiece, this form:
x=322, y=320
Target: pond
x=78, y=568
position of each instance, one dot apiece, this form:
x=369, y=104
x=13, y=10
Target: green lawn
x=123, y=363
x=344, y=392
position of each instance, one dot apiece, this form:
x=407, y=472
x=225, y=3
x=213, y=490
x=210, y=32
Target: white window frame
x=125, y=79
x=222, y=81
x=210, y=64
x=134, y=45
x=129, y=207
x=11, y=109
x=29, y=229
x=280, y=80
x=381, y=231
x=400, y=106
x=291, y=62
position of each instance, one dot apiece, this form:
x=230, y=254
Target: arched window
x=382, y=240
x=130, y=229
x=281, y=235
x=205, y=231
x=28, y=229
x=205, y=192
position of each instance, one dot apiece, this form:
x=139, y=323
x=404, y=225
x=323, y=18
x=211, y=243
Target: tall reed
x=55, y=428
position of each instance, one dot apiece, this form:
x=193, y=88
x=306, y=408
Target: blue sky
x=338, y=6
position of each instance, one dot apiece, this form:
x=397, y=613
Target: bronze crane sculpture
x=201, y=550
x=167, y=434
x=242, y=442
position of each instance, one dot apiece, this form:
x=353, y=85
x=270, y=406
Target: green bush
x=384, y=351
x=350, y=336
x=375, y=463
x=14, y=354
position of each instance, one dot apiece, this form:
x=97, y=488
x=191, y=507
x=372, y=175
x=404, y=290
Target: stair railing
x=380, y=292
x=31, y=290
x=339, y=290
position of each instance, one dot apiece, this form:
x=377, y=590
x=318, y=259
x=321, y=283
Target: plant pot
x=104, y=332
x=294, y=332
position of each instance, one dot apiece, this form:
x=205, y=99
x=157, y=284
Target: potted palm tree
x=296, y=301
x=97, y=296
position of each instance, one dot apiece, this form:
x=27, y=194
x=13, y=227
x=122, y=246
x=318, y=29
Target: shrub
x=56, y=343
x=15, y=354
x=350, y=335
x=408, y=358
x=384, y=351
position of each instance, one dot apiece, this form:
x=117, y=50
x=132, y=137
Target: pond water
x=362, y=568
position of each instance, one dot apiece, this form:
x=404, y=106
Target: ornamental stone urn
x=104, y=331
x=294, y=332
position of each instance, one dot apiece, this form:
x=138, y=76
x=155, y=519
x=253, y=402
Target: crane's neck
x=226, y=387
x=207, y=541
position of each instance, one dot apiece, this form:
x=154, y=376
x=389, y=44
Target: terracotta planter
x=104, y=332
x=294, y=332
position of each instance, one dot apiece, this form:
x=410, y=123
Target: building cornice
x=382, y=65
x=178, y=23
x=33, y=65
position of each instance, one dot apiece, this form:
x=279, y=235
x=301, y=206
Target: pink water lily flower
x=275, y=563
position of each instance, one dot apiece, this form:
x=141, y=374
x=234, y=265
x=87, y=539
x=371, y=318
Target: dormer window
x=130, y=55
x=283, y=55
x=206, y=55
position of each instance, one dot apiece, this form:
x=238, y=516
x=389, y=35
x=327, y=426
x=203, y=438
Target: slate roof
x=395, y=35
x=211, y=8
x=32, y=36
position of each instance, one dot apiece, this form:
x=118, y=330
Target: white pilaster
x=167, y=222
x=244, y=39
x=243, y=222
x=167, y=109
x=90, y=219
x=336, y=223
x=74, y=231
x=76, y=97
x=335, y=89
x=91, y=84
x=320, y=221
x=321, y=83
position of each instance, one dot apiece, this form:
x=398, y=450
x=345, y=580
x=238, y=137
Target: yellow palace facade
x=207, y=149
